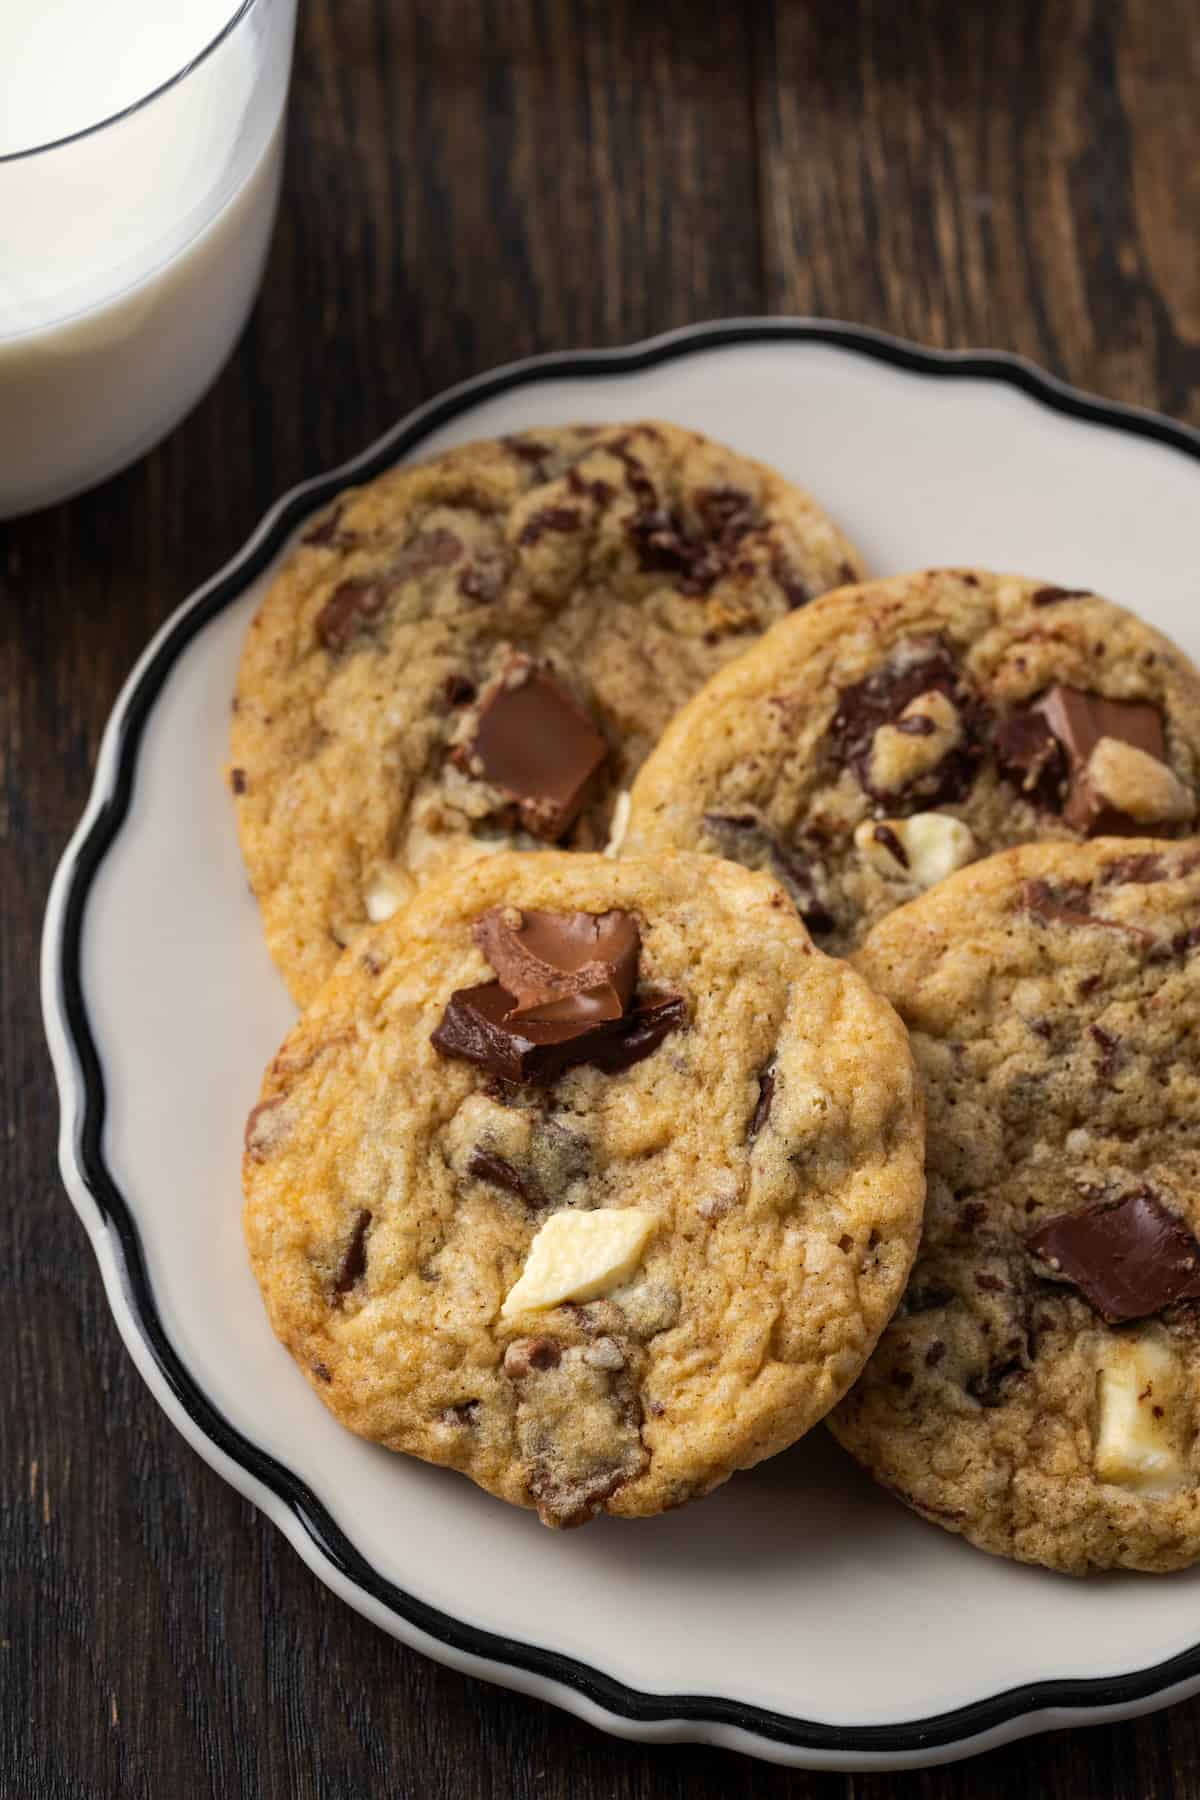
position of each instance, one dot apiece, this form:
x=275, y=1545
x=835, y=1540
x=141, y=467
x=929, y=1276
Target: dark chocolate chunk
x=352, y=606
x=538, y=746
x=698, y=554
x=578, y=966
x=925, y=666
x=1030, y=755
x=762, y=1107
x=1129, y=1257
x=550, y=518
x=354, y=1257
x=744, y=838
x=988, y=1388
x=1050, y=596
x=486, y=1166
x=796, y=591
x=476, y=1027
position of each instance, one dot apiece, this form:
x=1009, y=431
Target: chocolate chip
x=527, y=1355
x=538, y=746
x=796, y=591
x=321, y=1371
x=1068, y=903
x=599, y=491
x=237, y=780
x=1050, y=596
x=550, y=518
x=354, y=1257
x=529, y=450
x=476, y=1028
x=352, y=606
x=988, y=1388
x=1141, y=870
x=990, y=1284
x=1129, y=1257
x=845, y=1243
x=437, y=549
x=486, y=1166
x=260, y=1129
x=1110, y=1049
x=576, y=966
x=458, y=690
x=925, y=667
x=884, y=835
x=762, y=1106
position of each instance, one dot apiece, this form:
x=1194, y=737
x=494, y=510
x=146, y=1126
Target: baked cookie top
x=895, y=732
x=591, y=1179
x=1039, y=1390
x=478, y=651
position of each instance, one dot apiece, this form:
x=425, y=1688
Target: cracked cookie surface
x=771, y=1141
x=574, y=584
x=1039, y=1388
x=891, y=734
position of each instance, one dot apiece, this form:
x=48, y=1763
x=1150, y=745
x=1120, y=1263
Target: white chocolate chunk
x=933, y=845
x=579, y=1256
x=620, y=825
x=1139, y=1392
x=900, y=757
x=381, y=901
x=1137, y=784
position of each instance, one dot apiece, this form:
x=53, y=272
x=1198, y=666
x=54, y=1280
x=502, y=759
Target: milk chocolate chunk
x=1079, y=721
x=351, y=608
x=562, y=965
x=478, y=1027
x=539, y=747
x=1129, y=1258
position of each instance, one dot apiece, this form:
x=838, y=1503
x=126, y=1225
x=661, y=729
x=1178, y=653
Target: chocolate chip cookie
x=1039, y=1389
x=591, y=1179
x=891, y=734
x=476, y=653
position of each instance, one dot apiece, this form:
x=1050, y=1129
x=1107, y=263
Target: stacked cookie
x=594, y=1175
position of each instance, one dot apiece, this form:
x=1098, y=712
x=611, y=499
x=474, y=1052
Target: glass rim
x=172, y=81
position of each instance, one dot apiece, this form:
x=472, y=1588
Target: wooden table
x=468, y=182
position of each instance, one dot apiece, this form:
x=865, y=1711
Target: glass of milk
x=140, y=151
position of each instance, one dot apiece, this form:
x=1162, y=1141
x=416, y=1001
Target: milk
x=130, y=256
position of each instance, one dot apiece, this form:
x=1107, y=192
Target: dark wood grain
x=467, y=183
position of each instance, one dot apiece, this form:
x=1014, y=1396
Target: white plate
x=797, y=1614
